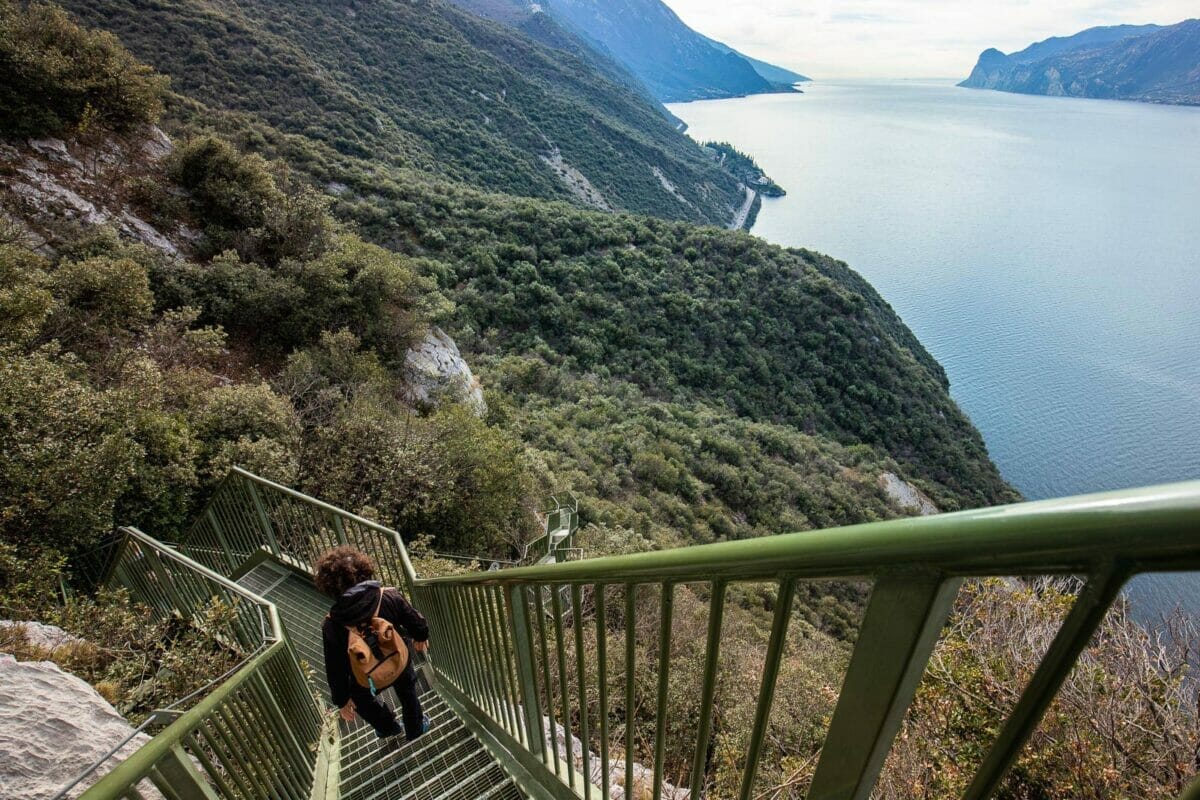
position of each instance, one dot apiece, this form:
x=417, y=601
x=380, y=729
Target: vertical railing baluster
x=716, y=614
x=602, y=671
x=263, y=520
x=629, y=685
x=518, y=614
x=560, y=650
x=766, y=689
x=666, y=610
x=581, y=681
x=539, y=612
x=1085, y=616
x=494, y=661
x=501, y=664
x=220, y=535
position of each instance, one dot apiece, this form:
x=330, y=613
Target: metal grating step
x=447, y=762
x=301, y=609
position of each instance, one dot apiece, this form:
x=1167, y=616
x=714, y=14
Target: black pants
x=382, y=718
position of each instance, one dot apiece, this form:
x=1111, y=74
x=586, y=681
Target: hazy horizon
x=917, y=39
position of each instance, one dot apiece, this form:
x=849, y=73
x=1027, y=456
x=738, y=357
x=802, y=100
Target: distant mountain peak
x=674, y=61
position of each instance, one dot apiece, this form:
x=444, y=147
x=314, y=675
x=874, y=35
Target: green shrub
x=67, y=455
x=57, y=77
x=25, y=300
x=99, y=297
x=229, y=190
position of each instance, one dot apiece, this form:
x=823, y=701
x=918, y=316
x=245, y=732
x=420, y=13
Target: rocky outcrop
x=643, y=777
x=35, y=634
x=905, y=495
x=435, y=370
x=53, y=726
x=576, y=182
x=48, y=181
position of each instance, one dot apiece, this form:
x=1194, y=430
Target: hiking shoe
x=395, y=730
x=426, y=724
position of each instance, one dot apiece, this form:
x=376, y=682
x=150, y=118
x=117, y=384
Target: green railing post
x=263, y=520
x=340, y=530
x=219, y=531
x=766, y=689
x=180, y=775
x=522, y=637
x=904, y=617
x=167, y=582
x=716, y=614
x=666, y=611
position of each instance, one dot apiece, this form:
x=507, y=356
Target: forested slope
x=429, y=87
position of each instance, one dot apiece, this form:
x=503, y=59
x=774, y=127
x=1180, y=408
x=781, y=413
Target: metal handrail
x=263, y=705
x=248, y=513
x=1061, y=536
x=509, y=664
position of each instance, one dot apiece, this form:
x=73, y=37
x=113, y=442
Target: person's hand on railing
x=421, y=647
x=347, y=711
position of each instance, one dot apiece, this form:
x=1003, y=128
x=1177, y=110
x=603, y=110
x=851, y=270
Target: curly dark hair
x=342, y=567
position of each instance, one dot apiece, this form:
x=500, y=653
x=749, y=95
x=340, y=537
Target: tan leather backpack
x=377, y=652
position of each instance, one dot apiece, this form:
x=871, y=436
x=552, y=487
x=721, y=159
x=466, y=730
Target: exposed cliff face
x=673, y=60
x=1146, y=63
x=52, y=181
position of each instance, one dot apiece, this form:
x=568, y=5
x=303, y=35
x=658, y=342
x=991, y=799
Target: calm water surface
x=1045, y=250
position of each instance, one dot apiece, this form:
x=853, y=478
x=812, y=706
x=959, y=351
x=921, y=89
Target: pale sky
x=905, y=38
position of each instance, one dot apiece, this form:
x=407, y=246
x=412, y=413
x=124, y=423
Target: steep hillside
x=533, y=21
x=672, y=59
x=428, y=87
x=1145, y=63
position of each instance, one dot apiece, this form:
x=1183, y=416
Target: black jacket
x=355, y=607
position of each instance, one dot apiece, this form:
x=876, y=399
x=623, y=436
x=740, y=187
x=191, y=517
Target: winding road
x=739, y=219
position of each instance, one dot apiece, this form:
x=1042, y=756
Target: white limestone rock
x=435, y=369
x=46, y=637
x=53, y=726
x=643, y=777
x=157, y=144
x=905, y=495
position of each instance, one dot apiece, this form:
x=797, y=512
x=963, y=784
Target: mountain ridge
x=1146, y=63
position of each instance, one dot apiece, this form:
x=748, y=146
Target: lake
x=1045, y=250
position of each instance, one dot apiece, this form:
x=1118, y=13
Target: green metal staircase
x=521, y=658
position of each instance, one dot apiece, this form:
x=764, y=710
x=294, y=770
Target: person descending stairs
x=366, y=638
